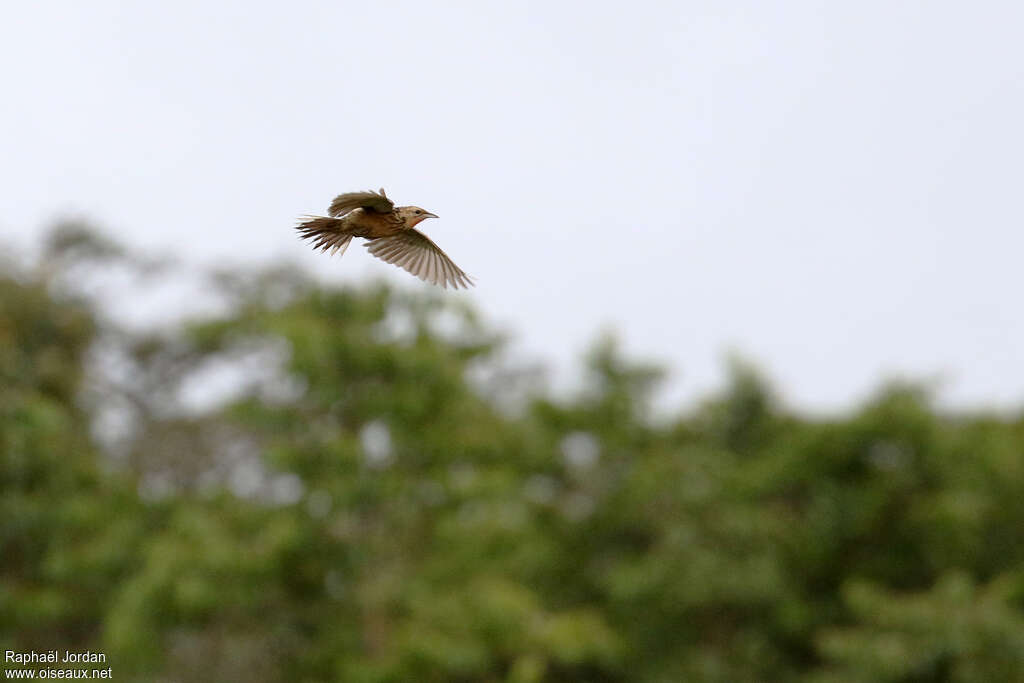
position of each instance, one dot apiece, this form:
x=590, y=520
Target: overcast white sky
x=831, y=189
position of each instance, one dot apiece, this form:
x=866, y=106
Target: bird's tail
x=326, y=234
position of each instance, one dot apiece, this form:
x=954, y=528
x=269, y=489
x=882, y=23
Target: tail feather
x=326, y=234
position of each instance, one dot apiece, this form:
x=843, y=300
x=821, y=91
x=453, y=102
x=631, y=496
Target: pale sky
x=831, y=189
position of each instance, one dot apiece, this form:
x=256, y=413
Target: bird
x=390, y=233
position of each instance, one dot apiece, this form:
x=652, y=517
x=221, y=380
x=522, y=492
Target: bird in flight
x=390, y=232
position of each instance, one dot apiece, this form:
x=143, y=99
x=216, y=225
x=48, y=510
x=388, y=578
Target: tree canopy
x=380, y=495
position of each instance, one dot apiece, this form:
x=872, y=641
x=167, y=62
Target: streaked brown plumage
x=390, y=233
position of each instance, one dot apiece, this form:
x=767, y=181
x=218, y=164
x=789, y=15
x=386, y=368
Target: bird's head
x=412, y=215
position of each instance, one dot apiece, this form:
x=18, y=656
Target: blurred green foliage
x=383, y=498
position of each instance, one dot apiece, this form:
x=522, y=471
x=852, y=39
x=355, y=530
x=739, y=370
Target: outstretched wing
x=372, y=201
x=416, y=253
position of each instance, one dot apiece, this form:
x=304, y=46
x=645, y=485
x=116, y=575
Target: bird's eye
x=418, y=211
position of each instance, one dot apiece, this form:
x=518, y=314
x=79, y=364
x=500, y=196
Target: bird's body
x=391, y=234
x=371, y=224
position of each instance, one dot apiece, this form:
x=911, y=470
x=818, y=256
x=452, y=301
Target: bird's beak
x=427, y=214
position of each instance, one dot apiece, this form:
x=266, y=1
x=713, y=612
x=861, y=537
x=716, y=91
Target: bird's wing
x=416, y=253
x=373, y=201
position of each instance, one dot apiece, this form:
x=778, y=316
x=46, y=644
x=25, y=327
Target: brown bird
x=390, y=233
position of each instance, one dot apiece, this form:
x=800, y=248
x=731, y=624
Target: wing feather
x=416, y=253
x=420, y=256
x=405, y=259
x=369, y=200
x=431, y=270
x=436, y=270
